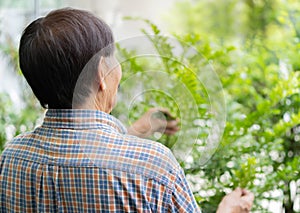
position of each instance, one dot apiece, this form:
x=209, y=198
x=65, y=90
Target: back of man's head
x=54, y=50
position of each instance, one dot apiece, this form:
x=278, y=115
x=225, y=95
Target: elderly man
x=81, y=159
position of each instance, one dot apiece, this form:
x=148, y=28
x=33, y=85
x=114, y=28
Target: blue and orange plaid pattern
x=83, y=161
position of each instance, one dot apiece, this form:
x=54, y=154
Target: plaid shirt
x=83, y=161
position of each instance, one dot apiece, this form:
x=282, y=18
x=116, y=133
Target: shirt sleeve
x=182, y=199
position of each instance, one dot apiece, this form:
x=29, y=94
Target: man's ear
x=101, y=74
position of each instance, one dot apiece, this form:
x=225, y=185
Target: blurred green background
x=252, y=45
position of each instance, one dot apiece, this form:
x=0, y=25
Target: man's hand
x=154, y=120
x=238, y=201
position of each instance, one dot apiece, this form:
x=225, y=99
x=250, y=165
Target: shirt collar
x=82, y=119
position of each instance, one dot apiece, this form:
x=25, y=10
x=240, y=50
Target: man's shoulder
x=18, y=146
x=152, y=153
x=140, y=156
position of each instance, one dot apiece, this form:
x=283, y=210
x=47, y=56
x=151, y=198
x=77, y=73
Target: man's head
x=55, y=49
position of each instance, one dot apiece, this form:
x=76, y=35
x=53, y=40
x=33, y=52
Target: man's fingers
x=163, y=110
x=164, y=123
x=171, y=131
x=172, y=123
x=238, y=201
x=246, y=200
x=245, y=206
x=237, y=192
x=160, y=123
x=167, y=127
x=249, y=197
x=159, y=110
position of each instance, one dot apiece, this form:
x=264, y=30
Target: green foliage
x=261, y=83
x=15, y=121
x=245, y=175
x=260, y=146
